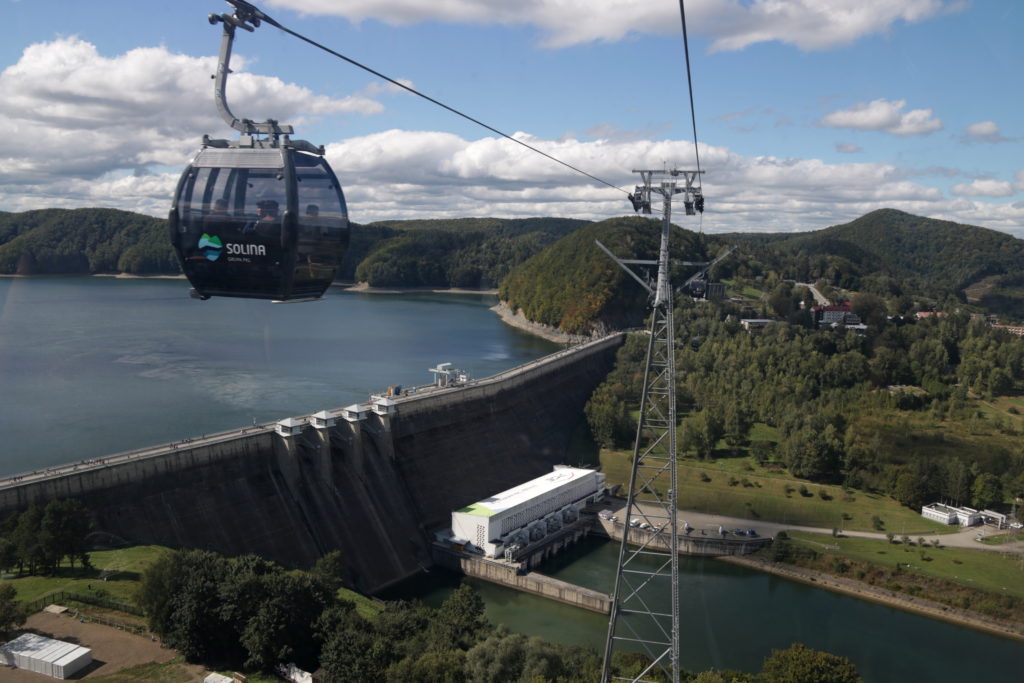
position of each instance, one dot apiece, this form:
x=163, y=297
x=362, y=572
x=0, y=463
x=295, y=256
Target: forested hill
x=464, y=252
x=574, y=286
x=61, y=241
x=886, y=249
x=511, y=226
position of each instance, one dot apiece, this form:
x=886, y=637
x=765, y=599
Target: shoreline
x=118, y=276
x=364, y=288
x=516, y=320
x=863, y=591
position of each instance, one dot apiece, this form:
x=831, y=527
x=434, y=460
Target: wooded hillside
x=576, y=287
x=892, y=253
x=79, y=241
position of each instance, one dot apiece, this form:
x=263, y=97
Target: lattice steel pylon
x=648, y=565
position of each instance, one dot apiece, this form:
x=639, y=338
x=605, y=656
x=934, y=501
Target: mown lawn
x=1003, y=537
x=122, y=568
x=739, y=487
x=983, y=569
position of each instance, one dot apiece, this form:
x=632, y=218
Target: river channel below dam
x=732, y=617
x=120, y=364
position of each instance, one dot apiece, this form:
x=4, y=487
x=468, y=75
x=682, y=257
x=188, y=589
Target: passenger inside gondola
x=266, y=212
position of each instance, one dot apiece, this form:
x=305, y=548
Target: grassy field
x=996, y=572
x=744, y=290
x=1001, y=538
x=122, y=569
x=739, y=487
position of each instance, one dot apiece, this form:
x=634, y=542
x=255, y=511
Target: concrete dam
x=371, y=480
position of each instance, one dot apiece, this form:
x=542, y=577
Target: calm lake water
x=92, y=366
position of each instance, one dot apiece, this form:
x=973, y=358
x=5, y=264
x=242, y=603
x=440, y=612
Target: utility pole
x=649, y=567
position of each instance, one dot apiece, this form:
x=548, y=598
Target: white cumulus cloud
x=984, y=188
x=70, y=111
x=985, y=131
x=884, y=115
x=732, y=24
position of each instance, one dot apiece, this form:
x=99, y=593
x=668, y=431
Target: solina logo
x=211, y=246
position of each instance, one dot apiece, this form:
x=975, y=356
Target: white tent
x=53, y=658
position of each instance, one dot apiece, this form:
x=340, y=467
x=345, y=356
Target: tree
x=736, y=425
x=870, y=308
x=801, y=664
x=63, y=529
x=608, y=416
x=12, y=612
x=910, y=489
x=331, y=569
x=180, y=594
x=501, y=657
x=703, y=431
x=26, y=537
x=404, y=624
x=987, y=491
x=459, y=622
x=762, y=451
x=439, y=667
x=281, y=627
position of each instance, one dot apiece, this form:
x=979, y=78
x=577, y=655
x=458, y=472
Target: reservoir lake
x=94, y=366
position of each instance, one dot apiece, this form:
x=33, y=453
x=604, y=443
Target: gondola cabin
x=262, y=223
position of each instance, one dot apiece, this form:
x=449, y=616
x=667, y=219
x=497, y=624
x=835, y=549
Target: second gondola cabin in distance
x=263, y=217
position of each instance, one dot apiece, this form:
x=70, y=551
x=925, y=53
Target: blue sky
x=810, y=113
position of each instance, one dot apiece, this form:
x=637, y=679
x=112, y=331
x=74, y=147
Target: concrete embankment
x=508, y=574
x=370, y=486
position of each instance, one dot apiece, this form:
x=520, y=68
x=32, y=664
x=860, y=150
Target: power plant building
x=527, y=512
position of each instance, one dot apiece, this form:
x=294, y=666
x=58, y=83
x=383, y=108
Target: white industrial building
x=528, y=512
x=947, y=514
x=53, y=658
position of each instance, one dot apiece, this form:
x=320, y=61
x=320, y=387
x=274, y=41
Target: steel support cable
x=689, y=84
x=263, y=17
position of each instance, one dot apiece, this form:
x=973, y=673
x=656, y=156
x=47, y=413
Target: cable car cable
x=378, y=74
x=689, y=83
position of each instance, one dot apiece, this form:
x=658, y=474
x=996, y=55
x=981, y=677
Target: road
x=710, y=524
x=819, y=298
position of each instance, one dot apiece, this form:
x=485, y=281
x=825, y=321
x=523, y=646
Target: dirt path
x=113, y=650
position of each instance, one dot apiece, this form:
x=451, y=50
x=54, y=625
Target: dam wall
x=458, y=446
x=373, y=487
